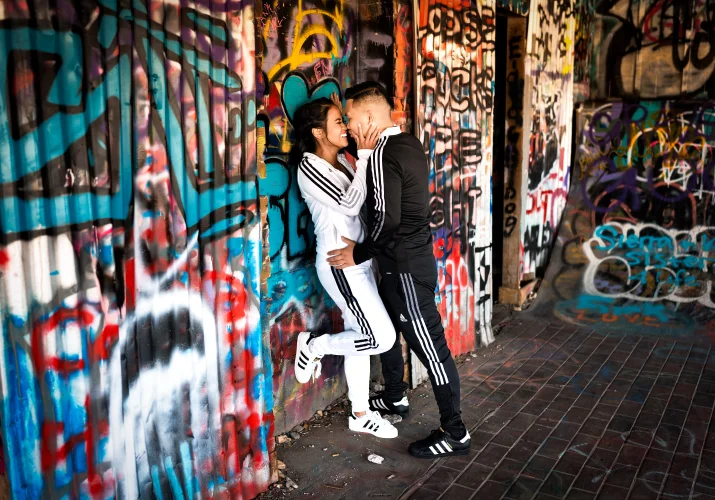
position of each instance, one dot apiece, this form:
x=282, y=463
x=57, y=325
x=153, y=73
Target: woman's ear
x=317, y=133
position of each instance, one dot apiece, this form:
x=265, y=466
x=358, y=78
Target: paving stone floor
x=555, y=412
x=577, y=414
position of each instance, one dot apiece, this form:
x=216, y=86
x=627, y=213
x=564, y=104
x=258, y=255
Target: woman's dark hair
x=310, y=115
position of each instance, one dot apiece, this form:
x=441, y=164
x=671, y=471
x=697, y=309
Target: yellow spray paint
x=303, y=31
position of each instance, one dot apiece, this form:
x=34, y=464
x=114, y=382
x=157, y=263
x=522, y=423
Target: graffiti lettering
x=514, y=124
x=95, y=190
x=329, y=40
x=675, y=36
x=638, y=246
x=455, y=106
x=131, y=252
x=549, y=84
x=291, y=228
x=657, y=263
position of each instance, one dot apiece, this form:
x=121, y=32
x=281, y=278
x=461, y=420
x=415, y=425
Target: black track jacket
x=398, y=234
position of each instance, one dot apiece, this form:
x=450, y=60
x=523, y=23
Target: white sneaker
x=372, y=423
x=307, y=364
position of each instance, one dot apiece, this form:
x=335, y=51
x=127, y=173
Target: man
x=399, y=239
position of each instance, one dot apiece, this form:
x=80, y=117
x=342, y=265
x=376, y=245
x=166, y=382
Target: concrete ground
x=555, y=412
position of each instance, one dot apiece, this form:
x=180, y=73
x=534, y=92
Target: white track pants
x=368, y=328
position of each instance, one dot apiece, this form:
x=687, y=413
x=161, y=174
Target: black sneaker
x=383, y=405
x=440, y=444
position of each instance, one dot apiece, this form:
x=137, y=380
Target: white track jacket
x=334, y=200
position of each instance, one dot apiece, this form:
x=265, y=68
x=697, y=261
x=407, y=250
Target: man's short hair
x=367, y=92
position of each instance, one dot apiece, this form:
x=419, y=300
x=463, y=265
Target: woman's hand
x=367, y=139
x=336, y=100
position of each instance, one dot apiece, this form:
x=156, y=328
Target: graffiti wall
x=646, y=49
x=515, y=41
x=584, y=47
x=455, y=75
x=548, y=116
x=403, y=104
x=520, y=7
x=132, y=356
x=312, y=50
x=304, y=45
x=637, y=246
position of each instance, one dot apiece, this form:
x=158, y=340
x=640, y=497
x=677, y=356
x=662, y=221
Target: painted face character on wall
x=334, y=134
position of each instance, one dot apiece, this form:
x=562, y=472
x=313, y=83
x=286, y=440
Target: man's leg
x=393, y=371
x=393, y=364
x=413, y=298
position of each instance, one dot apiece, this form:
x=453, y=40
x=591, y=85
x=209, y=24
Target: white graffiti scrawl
x=647, y=262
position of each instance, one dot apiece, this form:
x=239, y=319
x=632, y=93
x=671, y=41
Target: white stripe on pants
x=368, y=328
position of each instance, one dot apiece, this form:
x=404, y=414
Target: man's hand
x=367, y=139
x=343, y=257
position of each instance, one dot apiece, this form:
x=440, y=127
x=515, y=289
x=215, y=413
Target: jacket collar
x=394, y=130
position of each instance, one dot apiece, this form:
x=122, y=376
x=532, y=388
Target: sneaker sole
x=385, y=412
x=453, y=453
x=373, y=434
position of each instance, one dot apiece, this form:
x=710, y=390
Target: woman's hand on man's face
x=367, y=139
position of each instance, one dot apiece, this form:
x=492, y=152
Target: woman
x=334, y=194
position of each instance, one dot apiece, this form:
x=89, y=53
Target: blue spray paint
x=176, y=490
x=291, y=227
x=21, y=157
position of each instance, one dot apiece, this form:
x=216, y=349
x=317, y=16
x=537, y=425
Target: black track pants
x=409, y=300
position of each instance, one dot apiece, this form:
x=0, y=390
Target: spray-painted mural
x=375, y=43
x=520, y=7
x=637, y=246
x=514, y=126
x=512, y=158
x=312, y=50
x=584, y=46
x=303, y=46
x=404, y=65
x=133, y=360
x=647, y=49
x=455, y=76
x=549, y=109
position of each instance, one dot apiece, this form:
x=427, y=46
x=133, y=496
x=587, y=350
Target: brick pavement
x=562, y=412
x=555, y=412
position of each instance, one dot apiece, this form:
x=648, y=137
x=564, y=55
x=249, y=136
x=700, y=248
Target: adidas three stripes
x=368, y=329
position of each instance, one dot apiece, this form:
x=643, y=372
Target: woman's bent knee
x=386, y=342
